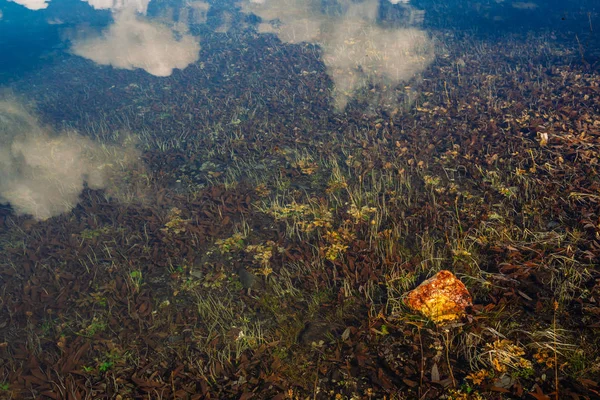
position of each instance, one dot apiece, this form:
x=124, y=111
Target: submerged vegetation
x=266, y=248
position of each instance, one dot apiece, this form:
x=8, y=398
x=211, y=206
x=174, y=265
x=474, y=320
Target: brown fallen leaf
x=442, y=298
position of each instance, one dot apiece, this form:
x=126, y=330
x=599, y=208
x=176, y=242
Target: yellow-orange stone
x=441, y=298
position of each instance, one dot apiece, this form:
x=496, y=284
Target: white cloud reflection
x=133, y=41
x=356, y=50
x=140, y=6
x=33, y=4
x=42, y=173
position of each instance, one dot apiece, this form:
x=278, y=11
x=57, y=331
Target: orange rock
x=442, y=298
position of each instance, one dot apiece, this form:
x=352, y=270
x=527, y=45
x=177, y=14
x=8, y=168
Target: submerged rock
x=247, y=278
x=442, y=298
x=250, y=281
x=315, y=333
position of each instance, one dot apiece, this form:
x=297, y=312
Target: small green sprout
x=105, y=366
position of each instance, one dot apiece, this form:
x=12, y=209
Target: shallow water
x=232, y=199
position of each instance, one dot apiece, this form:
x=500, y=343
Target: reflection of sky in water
x=356, y=49
x=133, y=41
x=132, y=35
x=362, y=43
x=139, y=5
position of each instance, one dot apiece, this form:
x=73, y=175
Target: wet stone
x=442, y=298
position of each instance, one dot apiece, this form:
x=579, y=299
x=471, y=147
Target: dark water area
x=291, y=199
x=505, y=16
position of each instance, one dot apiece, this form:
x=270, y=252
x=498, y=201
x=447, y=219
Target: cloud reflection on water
x=357, y=51
x=133, y=41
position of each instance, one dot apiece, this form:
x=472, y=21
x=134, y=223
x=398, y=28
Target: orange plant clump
x=441, y=298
